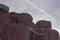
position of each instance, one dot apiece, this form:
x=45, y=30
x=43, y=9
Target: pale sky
x=40, y=10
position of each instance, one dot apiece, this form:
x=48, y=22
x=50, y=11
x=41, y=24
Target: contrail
x=40, y=9
x=31, y=29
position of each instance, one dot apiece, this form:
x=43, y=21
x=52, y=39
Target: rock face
x=19, y=20
x=7, y=32
x=4, y=19
x=45, y=31
x=27, y=20
x=43, y=24
x=13, y=17
x=18, y=32
x=53, y=35
x=20, y=26
x=17, y=28
x=46, y=35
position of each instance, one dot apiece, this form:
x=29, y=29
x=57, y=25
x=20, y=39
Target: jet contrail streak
x=31, y=29
x=40, y=10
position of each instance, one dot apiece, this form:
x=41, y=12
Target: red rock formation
x=53, y=35
x=7, y=32
x=19, y=32
x=43, y=24
x=26, y=19
x=13, y=17
x=46, y=32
